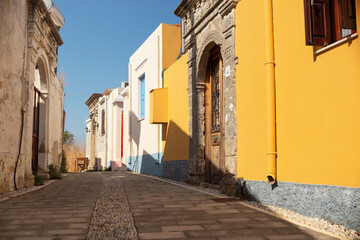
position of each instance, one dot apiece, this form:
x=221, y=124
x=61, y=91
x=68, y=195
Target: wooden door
x=214, y=133
x=35, y=133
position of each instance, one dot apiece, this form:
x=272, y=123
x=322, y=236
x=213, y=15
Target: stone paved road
x=165, y=211
x=63, y=210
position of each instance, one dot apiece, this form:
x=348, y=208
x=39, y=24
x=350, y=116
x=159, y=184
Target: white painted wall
x=108, y=145
x=100, y=144
x=126, y=130
x=145, y=137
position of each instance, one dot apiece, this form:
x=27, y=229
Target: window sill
x=335, y=44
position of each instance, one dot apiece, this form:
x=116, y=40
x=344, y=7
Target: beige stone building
x=31, y=94
x=92, y=128
x=105, y=129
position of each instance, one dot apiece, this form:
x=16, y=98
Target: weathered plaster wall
x=13, y=52
x=26, y=35
x=93, y=127
x=56, y=106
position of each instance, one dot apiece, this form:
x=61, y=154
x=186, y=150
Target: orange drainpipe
x=271, y=153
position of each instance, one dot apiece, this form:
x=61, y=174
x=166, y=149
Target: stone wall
x=335, y=203
x=177, y=170
x=209, y=24
x=13, y=52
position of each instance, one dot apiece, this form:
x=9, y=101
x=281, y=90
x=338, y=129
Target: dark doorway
x=35, y=132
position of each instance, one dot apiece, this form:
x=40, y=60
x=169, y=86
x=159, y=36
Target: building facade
x=126, y=123
x=105, y=131
x=146, y=68
x=169, y=108
x=32, y=96
x=92, y=126
x=209, y=36
x=273, y=104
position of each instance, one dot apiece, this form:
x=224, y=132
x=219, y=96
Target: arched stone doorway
x=40, y=113
x=209, y=31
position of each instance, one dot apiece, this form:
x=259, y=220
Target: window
x=103, y=122
x=328, y=21
x=142, y=97
x=215, y=95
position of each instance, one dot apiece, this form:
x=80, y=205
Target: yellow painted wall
x=158, y=105
x=250, y=90
x=176, y=145
x=317, y=100
x=171, y=43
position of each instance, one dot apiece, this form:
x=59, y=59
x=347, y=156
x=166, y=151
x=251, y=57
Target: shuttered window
x=327, y=21
x=142, y=97
x=348, y=14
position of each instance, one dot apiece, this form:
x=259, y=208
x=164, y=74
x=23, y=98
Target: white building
x=146, y=65
x=104, y=128
x=126, y=130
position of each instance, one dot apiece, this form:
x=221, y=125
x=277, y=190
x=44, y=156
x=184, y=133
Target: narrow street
x=121, y=205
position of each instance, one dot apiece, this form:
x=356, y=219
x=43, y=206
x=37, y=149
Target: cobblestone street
x=159, y=210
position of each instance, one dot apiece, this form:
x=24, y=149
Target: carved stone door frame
x=209, y=24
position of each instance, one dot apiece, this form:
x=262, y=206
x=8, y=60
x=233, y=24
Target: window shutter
x=142, y=97
x=317, y=22
x=348, y=14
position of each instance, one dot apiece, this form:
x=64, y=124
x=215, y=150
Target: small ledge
x=328, y=47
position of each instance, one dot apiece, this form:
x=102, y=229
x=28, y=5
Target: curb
x=31, y=189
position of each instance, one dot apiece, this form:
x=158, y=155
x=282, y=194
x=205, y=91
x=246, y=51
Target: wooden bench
x=81, y=163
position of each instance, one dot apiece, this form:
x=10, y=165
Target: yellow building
x=169, y=107
x=274, y=102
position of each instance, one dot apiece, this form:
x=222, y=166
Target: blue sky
x=99, y=37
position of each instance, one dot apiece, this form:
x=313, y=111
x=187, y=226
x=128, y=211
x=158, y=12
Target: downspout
x=271, y=153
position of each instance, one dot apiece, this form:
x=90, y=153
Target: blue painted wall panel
x=151, y=164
